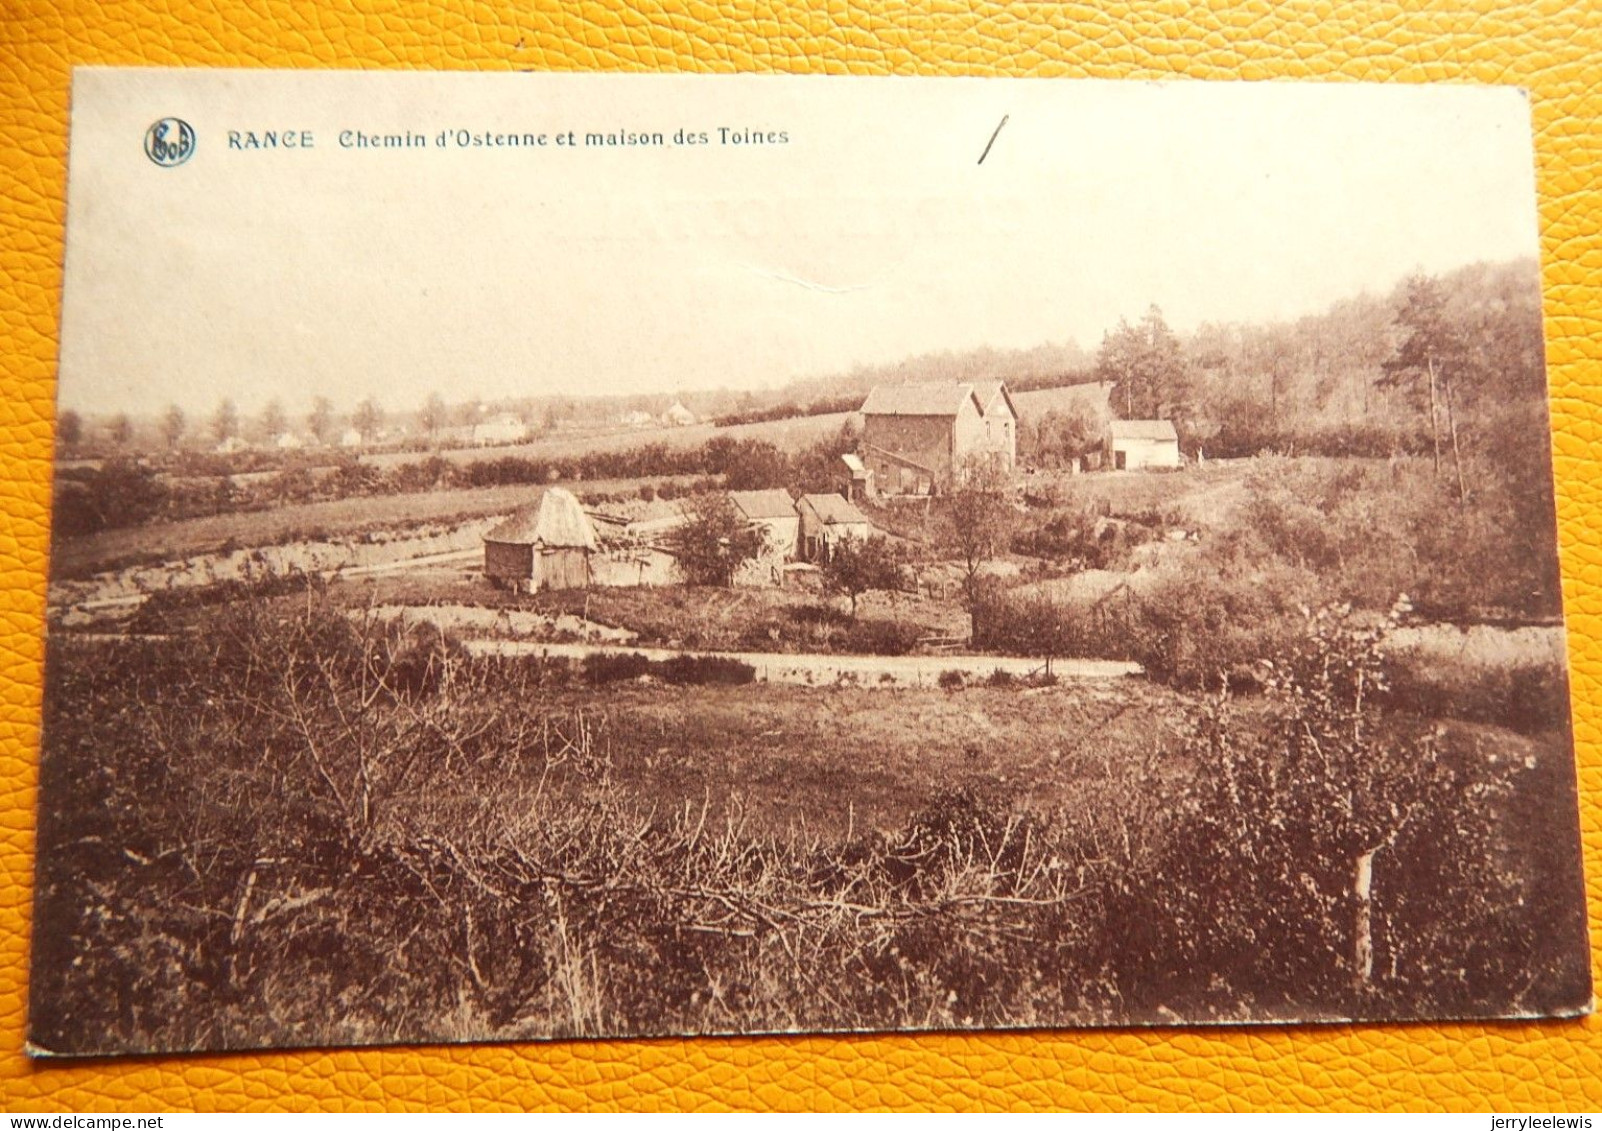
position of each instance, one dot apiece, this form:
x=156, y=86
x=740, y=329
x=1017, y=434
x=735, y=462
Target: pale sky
x=871, y=235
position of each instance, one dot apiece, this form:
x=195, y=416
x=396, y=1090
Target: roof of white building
x=1142, y=430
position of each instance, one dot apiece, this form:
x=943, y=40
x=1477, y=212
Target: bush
x=611, y=667
x=882, y=637
x=705, y=670
x=1530, y=697
x=167, y=610
x=952, y=680
x=815, y=614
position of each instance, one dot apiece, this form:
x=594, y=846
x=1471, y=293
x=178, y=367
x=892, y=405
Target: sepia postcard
x=547, y=556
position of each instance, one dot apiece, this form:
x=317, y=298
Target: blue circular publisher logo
x=170, y=142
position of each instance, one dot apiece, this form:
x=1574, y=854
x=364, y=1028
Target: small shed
x=774, y=513
x=546, y=545
x=827, y=521
x=1136, y=444
x=859, y=480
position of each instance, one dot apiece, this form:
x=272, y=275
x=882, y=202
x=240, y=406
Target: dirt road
x=817, y=670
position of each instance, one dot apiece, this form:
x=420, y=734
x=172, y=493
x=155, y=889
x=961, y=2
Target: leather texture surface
x=1551, y=47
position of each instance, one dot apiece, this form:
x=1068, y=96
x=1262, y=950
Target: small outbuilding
x=546, y=545
x=503, y=429
x=827, y=521
x=773, y=512
x=1135, y=444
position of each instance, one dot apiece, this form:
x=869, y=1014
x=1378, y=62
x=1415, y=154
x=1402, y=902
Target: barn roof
x=1142, y=430
x=918, y=400
x=763, y=504
x=555, y=519
x=834, y=509
x=988, y=392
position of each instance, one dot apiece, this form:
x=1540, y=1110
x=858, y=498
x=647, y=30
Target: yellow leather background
x=1552, y=47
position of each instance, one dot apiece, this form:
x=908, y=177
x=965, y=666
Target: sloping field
x=312, y=522
x=790, y=434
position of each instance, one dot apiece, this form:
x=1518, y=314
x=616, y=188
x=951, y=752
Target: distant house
x=677, y=415
x=546, y=545
x=231, y=446
x=637, y=419
x=1135, y=444
x=503, y=429
x=922, y=439
x=827, y=521
x=351, y=438
x=289, y=442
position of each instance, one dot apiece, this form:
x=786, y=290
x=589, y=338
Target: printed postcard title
x=463, y=137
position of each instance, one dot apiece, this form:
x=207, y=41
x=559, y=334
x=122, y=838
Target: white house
x=1135, y=444
x=677, y=415
x=351, y=438
x=502, y=429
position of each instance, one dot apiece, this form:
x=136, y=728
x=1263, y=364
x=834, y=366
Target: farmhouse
x=678, y=416
x=827, y=521
x=922, y=439
x=503, y=429
x=546, y=545
x=1135, y=444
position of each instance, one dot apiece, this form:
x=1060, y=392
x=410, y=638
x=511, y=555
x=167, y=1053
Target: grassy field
x=836, y=761
x=791, y=433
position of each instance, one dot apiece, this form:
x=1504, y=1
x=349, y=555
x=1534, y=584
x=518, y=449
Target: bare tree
x=321, y=419
x=367, y=418
x=858, y=566
x=434, y=414
x=173, y=425
x=69, y=429
x=273, y=420
x=977, y=522
x=715, y=540
x=225, y=421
